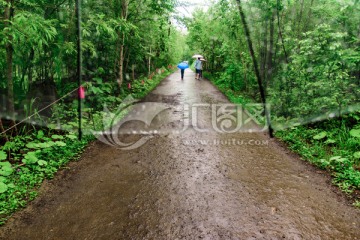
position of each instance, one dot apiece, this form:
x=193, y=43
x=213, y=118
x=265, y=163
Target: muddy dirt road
x=194, y=185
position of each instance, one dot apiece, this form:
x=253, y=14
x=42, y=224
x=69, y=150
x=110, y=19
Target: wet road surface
x=196, y=184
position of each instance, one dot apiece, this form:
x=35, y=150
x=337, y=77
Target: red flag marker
x=129, y=86
x=82, y=92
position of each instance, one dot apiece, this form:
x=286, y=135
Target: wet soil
x=196, y=184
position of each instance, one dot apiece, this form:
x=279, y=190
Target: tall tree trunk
x=127, y=54
x=213, y=56
x=28, y=65
x=280, y=33
x=121, y=61
x=169, y=30
x=124, y=14
x=8, y=16
x=256, y=67
x=244, y=71
x=9, y=12
x=308, y=19
x=133, y=72
x=299, y=30
x=149, y=63
x=270, y=52
x=263, y=54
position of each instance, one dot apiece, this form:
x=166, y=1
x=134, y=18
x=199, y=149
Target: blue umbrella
x=183, y=65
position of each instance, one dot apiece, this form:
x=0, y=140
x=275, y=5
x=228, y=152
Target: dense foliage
x=122, y=40
x=307, y=51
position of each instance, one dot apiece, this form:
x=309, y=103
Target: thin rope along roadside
x=36, y=112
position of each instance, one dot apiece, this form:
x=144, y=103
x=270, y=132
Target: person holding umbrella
x=201, y=70
x=198, y=68
x=183, y=66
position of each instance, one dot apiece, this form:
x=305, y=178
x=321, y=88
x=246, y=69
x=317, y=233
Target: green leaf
x=99, y=80
x=42, y=163
x=52, y=126
x=71, y=136
x=60, y=144
x=330, y=141
x=356, y=155
x=66, y=127
x=40, y=134
x=338, y=159
x=8, y=169
x=320, y=135
x=30, y=158
x=46, y=144
x=9, y=146
x=6, y=172
x=355, y=133
x=3, y=155
x=73, y=124
x=32, y=145
x=57, y=137
x=5, y=164
x=324, y=162
x=2, y=179
x=3, y=187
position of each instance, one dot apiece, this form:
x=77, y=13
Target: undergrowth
x=333, y=145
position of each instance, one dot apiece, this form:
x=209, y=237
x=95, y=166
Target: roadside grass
x=330, y=147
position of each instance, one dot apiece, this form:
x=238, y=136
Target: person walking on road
x=198, y=68
x=183, y=65
x=182, y=73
